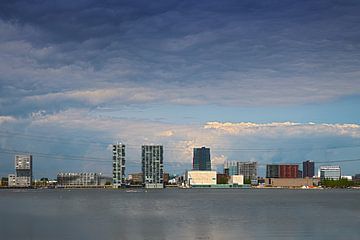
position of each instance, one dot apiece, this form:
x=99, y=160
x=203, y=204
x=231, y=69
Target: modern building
x=152, y=166
x=23, y=172
x=201, y=159
x=118, y=165
x=330, y=172
x=247, y=169
x=231, y=168
x=308, y=169
x=78, y=179
x=282, y=170
x=200, y=178
x=236, y=179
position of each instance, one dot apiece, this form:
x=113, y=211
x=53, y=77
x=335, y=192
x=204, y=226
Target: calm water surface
x=180, y=214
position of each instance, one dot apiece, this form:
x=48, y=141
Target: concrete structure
x=78, y=179
x=330, y=172
x=201, y=159
x=152, y=166
x=289, y=182
x=247, y=169
x=236, y=179
x=308, y=169
x=197, y=178
x=11, y=180
x=282, y=170
x=118, y=165
x=23, y=168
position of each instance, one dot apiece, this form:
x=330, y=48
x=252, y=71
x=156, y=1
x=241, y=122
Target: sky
x=265, y=81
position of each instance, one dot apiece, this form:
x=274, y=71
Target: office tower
x=152, y=166
x=231, y=168
x=247, y=169
x=330, y=172
x=118, y=165
x=201, y=159
x=308, y=169
x=282, y=170
x=23, y=169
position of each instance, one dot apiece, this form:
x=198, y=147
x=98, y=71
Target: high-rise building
x=247, y=169
x=23, y=169
x=330, y=172
x=118, y=165
x=282, y=170
x=231, y=168
x=308, y=169
x=152, y=166
x=201, y=159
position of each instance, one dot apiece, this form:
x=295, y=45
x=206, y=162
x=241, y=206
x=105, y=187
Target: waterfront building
x=282, y=170
x=200, y=178
x=231, y=168
x=78, y=179
x=289, y=182
x=236, y=179
x=308, y=169
x=201, y=159
x=118, y=165
x=23, y=172
x=247, y=169
x=330, y=172
x=152, y=166
x=222, y=178
x=135, y=178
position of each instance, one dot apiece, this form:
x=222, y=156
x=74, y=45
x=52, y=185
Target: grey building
x=308, y=169
x=23, y=172
x=231, y=168
x=118, y=165
x=247, y=169
x=272, y=170
x=201, y=159
x=78, y=179
x=330, y=172
x=152, y=166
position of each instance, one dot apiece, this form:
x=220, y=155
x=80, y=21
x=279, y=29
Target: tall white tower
x=118, y=165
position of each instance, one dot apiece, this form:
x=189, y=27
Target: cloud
x=5, y=119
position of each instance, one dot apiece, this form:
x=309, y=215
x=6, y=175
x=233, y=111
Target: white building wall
x=201, y=177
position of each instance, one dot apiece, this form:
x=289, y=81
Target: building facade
x=282, y=170
x=231, y=168
x=152, y=166
x=200, y=178
x=23, y=172
x=201, y=159
x=308, y=169
x=330, y=172
x=118, y=165
x=78, y=179
x=247, y=169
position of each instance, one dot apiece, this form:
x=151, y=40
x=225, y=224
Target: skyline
x=229, y=75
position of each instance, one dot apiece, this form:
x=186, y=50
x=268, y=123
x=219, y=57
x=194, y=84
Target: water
x=180, y=214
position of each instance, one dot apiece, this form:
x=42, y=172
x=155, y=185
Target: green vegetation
x=341, y=183
x=247, y=181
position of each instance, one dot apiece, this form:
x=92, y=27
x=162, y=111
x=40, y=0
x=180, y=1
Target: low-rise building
x=203, y=178
x=289, y=182
x=12, y=180
x=78, y=179
x=135, y=178
x=330, y=172
x=236, y=179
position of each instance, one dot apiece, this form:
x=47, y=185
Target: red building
x=288, y=170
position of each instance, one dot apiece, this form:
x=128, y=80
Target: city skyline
x=271, y=82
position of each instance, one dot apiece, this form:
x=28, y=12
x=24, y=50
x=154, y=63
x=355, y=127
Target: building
x=118, y=165
x=247, y=169
x=330, y=172
x=289, y=182
x=200, y=178
x=78, y=179
x=201, y=159
x=152, y=166
x=23, y=172
x=135, y=178
x=231, y=168
x=282, y=170
x=222, y=178
x=236, y=179
x=308, y=169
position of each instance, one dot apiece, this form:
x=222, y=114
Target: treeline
x=341, y=183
